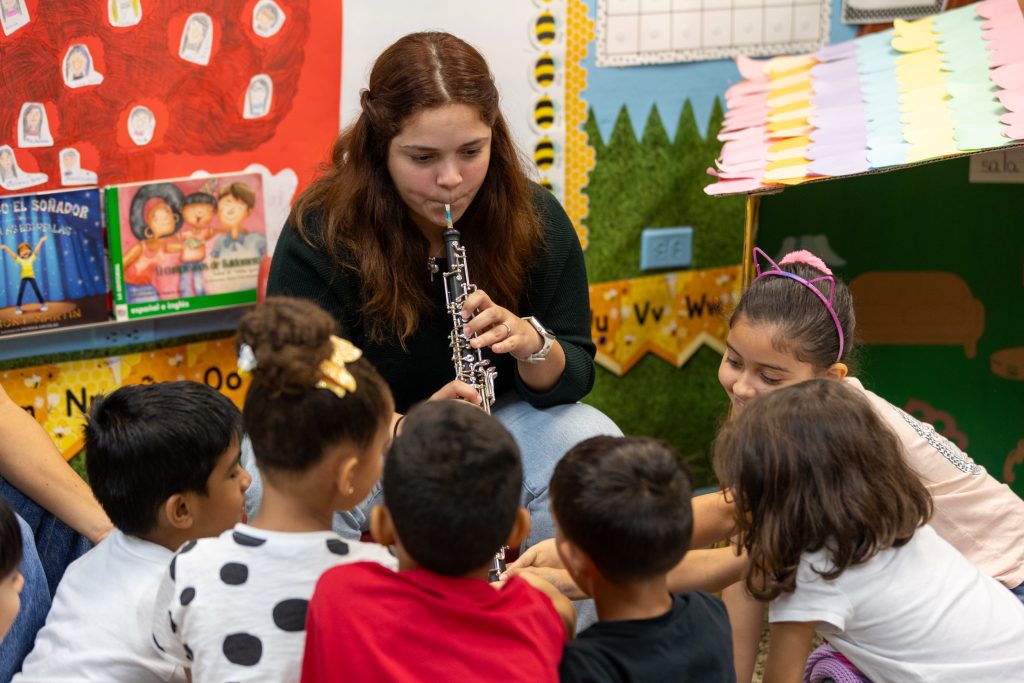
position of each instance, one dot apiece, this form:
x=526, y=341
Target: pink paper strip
x=731, y=186
x=1012, y=99
x=747, y=133
x=1010, y=76
x=752, y=69
x=995, y=8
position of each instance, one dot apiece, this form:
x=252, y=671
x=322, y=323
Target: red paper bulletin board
x=198, y=109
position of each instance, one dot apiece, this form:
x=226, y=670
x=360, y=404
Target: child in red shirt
x=452, y=481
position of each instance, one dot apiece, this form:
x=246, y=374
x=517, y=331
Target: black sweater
x=556, y=294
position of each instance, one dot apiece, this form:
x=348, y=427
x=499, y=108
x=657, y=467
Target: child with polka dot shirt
x=233, y=608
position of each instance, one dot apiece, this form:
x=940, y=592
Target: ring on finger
x=507, y=329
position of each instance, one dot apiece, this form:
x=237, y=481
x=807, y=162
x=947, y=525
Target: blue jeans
x=543, y=436
x=1019, y=592
x=48, y=547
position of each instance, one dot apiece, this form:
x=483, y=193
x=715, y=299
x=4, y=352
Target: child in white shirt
x=163, y=463
x=834, y=523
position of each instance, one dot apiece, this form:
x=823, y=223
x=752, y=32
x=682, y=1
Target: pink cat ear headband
x=804, y=256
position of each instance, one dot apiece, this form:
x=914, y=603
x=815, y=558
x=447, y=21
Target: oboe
x=470, y=365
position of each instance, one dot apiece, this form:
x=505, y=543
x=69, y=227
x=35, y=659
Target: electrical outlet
x=662, y=248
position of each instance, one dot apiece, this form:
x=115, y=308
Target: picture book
x=53, y=270
x=185, y=244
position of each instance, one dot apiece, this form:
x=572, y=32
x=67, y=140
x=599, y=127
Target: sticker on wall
x=670, y=315
x=12, y=177
x=545, y=29
x=258, y=96
x=78, y=68
x=13, y=15
x=141, y=125
x=917, y=308
x=71, y=171
x=544, y=113
x=544, y=154
x=267, y=18
x=544, y=71
x=197, y=39
x=33, y=126
x=633, y=32
x=124, y=13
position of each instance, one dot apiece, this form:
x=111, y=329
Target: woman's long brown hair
x=812, y=466
x=364, y=220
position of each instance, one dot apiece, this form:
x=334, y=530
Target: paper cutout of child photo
x=267, y=18
x=141, y=124
x=12, y=177
x=13, y=15
x=124, y=12
x=197, y=39
x=258, y=97
x=33, y=128
x=71, y=171
x=78, y=68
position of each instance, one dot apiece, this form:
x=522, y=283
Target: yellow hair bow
x=334, y=376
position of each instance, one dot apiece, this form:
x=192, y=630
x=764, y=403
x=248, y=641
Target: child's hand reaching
x=542, y=561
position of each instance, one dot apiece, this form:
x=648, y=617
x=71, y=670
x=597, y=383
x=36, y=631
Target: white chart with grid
x=632, y=32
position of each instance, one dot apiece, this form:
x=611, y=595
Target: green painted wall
x=929, y=218
x=655, y=181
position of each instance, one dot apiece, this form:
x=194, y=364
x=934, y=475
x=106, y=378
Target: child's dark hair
x=453, y=478
x=199, y=198
x=10, y=540
x=625, y=501
x=802, y=324
x=811, y=466
x=289, y=421
x=147, y=442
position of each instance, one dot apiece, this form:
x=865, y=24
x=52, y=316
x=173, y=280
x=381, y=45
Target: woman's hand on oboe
x=498, y=328
x=456, y=389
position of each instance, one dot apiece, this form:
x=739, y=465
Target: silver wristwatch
x=546, y=337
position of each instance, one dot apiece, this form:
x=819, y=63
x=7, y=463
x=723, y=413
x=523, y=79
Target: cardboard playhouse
x=931, y=252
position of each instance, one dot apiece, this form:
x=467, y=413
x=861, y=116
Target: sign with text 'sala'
x=1002, y=166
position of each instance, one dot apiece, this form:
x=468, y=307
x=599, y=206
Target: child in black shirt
x=623, y=519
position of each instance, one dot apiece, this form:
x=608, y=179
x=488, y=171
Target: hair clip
x=246, y=359
x=334, y=376
x=798, y=257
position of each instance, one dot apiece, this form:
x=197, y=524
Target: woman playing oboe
x=365, y=242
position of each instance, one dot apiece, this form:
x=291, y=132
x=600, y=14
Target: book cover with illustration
x=53, y=271
x=185, y=244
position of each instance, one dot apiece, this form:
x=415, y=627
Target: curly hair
x=812, y=466
x=289, y=421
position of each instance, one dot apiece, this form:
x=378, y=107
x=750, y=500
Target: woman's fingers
x=457, y=389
